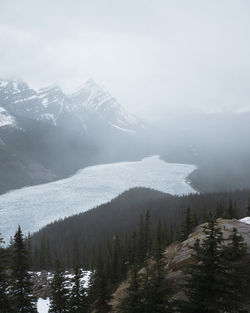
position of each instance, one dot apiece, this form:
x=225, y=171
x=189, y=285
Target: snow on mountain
x=98, y=101
x=5, y=118
x=52, y=105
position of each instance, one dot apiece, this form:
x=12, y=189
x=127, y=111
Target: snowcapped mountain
x=46, y=134
x=5, y=118
x=96, y=100
x=89, y=102
x=19, y=99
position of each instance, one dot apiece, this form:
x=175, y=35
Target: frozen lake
x=36, y=206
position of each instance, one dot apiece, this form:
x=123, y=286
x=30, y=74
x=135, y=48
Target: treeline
x=216, y=281
x=15, y=284
x=79, y=238
x=218, y=265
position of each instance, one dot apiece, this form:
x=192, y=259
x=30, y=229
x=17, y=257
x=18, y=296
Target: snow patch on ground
x=43, y=305
x=245, y=220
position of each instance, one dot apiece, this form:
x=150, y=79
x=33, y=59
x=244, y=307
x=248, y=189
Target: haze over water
x=34, y=207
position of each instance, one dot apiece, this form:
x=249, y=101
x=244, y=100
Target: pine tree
x=219, y=211
x=116, y=260
x=155, y=292
x=205, y=215
x=42, y=254
x=78, y=298
x=195, y=220
x=211, y=281
x=133, y=302
x=21, y=289
x=101, y=284
x=231, y=211
x=237, y=272
x=59, y=294
x=141, y=242
x=237, y=246
x=75, y=252
x=5, y=306
x=133, y=249
x=159, y=241
x=187, y=226
x=148, y=234
x=248, y=206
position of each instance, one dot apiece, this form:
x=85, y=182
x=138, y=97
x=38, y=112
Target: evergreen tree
x=148, y=234
x=5, y=306
x=159, y=241
x=133, y=302
x=219, y=211
x=187, y=226
x=248, y=206
x=78, y=298
x=21, y=289
x=231, y=211
x=102, y=284
x=155, y=292
x=237, y=246
x=133, y=249
x=237, y=273
x=211, y=281
x=117, y=258
x=59, y=294
x=205, y=215
x=195, y=220
x=75, y=252
x=141, y=243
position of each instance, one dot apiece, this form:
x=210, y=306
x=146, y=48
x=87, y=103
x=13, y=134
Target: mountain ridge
x=50, y=104
x=58, y=135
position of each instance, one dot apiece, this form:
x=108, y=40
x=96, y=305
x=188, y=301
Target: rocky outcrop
x=179, y=254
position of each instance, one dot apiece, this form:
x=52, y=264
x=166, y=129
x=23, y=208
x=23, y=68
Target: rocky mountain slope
x=46, y=134
x=179, y=254
x=53, y=106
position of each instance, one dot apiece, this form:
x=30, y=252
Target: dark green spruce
x=78, y=298
x=5, y=306
x=21, y=287
x=212, y=285
x=59, y=293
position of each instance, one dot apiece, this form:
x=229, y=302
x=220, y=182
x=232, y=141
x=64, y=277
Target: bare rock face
x=118, y=296
x=179, y=254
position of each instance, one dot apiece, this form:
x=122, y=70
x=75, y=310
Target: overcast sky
x=154, y=56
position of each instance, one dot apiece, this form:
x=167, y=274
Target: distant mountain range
x=46, y=134
x=51, y=105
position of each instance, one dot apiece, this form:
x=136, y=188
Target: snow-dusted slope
x=43, y=105
x=5, y=118
x=98, y=101
x=52, y=105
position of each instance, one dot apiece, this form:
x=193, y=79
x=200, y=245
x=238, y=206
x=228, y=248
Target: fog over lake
x=36, y=206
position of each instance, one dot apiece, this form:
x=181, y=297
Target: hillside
x=121, y=217
x=178, y=255
x=46, y=134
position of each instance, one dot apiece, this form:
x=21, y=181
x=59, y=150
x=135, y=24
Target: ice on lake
x=36, y=206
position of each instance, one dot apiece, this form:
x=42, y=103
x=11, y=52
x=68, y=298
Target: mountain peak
x=88, y=102
x=13, y=84
x=87, y=86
